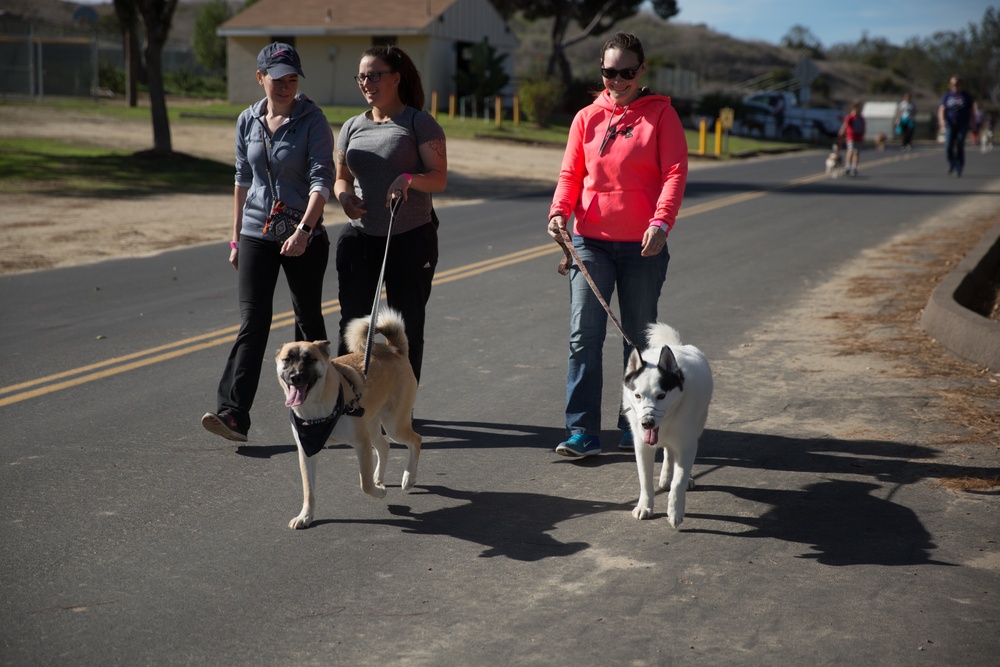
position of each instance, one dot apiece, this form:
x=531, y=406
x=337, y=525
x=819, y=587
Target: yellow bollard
x=434, y=104
x=701, y=137
x=718, y=137
x=517, y=111
x=498, y=104
x=451, y=106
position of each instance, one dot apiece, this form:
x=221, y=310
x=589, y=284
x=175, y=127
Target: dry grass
x=886, y=323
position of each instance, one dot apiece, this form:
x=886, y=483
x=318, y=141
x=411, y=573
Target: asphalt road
x=131, y=536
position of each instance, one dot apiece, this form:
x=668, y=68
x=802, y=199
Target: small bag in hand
x=282, y=221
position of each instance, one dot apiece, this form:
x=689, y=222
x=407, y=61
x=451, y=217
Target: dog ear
x=324, y=347
x=667, y=361
x=634, y=362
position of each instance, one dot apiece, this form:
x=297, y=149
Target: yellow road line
x=63, y=380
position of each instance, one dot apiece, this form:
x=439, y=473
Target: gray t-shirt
x=379, y=152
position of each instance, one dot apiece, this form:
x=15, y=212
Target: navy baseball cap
x=279, y=60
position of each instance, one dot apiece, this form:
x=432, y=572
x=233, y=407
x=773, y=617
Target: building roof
x=336, y=17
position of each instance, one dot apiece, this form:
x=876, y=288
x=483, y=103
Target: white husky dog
x=666, y=392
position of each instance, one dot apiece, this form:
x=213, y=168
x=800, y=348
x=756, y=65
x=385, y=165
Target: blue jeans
x=639, y=280
x=954, y=141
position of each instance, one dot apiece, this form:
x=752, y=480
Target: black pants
x=259, y=263
x=409, y=273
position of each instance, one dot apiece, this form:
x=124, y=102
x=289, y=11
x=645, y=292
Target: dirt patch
x=71, y=230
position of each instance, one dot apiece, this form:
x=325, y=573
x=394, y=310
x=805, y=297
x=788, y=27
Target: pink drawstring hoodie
x=637, y=179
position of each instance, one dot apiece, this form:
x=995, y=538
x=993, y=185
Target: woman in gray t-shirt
x=393, y=150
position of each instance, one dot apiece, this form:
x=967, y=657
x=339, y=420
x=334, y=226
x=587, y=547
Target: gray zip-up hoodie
x=301, y=155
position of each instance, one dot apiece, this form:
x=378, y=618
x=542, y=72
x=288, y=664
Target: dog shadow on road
x=844, y=520
x=512, y=525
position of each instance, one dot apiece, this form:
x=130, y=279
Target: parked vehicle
x=799, y=122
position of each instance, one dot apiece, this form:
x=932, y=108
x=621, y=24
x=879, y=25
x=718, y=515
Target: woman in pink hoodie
x=623, y=177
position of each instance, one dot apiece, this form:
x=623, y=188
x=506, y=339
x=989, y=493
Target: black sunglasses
x=627, y=74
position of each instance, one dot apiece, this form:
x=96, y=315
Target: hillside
x=720, y=61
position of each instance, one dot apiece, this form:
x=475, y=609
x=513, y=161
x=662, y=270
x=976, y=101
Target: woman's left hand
x=295, y=244
x=653, y=241
x=399, y=188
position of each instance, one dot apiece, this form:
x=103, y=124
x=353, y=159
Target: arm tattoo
x=438, y=146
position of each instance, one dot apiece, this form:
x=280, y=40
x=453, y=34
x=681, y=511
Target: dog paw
x=675, y=521
x=642, y=513
x=377, y=492
x=408, y=481
x=300, y=522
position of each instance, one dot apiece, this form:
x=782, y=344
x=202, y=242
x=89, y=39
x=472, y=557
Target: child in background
x=853, y=130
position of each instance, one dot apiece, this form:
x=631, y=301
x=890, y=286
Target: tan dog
x=880, y=140
x=331, y=400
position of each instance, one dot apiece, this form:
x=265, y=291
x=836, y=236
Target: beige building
x=331, y=35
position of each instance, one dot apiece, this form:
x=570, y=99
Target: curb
x=959, y=329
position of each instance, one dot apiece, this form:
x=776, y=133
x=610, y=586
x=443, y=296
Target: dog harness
x=313, y=433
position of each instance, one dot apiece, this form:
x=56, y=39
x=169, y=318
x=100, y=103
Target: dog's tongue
x=296, y=396
x=650, y=435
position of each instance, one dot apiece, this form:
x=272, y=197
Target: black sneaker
x=224, y=424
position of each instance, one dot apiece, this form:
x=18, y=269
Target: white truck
x=798, y=122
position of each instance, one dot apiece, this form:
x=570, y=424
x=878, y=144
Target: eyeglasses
x=627, y=74
x=372, y=77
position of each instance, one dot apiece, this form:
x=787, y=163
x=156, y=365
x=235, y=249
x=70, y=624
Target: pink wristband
x=234, y=245
x=409, y=179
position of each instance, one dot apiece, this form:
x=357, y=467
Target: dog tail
x=389, y=324
x=659, y=334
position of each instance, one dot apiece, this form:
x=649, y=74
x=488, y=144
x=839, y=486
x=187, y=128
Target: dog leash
x=593, y=286
x=369, y=342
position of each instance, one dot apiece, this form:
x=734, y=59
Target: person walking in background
x=287, y=135
x=393, y=150
x=955, y=115
x=906, y=122
x=853, y=132
x=623, y=175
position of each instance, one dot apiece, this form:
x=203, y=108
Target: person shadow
x=842, y=521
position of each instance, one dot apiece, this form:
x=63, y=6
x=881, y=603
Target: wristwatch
x=303, y=227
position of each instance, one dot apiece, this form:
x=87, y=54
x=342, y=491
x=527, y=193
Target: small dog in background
x=880, y=140
x=986, y=140
x=666, y=392
x=835, y=163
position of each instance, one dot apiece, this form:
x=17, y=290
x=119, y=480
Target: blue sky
x=833, y=21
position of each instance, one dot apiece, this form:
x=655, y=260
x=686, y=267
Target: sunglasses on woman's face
x=627, y=74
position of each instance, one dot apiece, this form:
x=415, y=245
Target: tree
x=485, y=76
x=128, y=22
x=157, y=16
x=209, y=47
x=801, y=38
x=594, y=17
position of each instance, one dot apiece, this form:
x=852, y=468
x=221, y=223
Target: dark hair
x=624, y=41
x=411, y=88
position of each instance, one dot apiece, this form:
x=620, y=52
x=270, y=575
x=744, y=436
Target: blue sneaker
x=580, y=444
x=626, y=444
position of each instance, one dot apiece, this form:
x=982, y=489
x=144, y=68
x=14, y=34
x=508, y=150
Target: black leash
x=590, y=281
x=393, y=207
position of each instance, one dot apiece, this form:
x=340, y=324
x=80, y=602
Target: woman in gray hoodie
x=284, y=151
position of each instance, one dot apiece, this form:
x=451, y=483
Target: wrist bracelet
x=234, y=245
x=409, y=179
